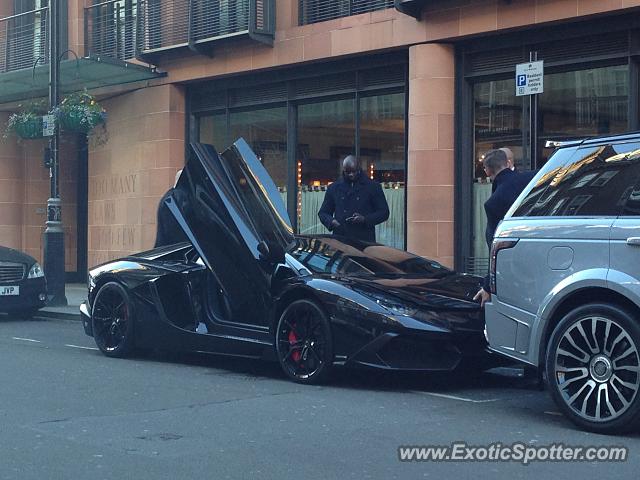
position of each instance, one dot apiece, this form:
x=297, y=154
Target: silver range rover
x=565, y=281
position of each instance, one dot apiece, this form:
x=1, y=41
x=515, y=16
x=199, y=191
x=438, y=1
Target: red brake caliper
x=292, y=340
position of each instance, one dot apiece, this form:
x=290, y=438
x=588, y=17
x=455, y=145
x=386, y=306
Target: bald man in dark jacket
x=354, y=204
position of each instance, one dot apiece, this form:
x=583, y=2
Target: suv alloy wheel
x=593, y=368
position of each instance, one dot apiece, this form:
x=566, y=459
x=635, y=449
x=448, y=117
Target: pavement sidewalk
x=76, y=293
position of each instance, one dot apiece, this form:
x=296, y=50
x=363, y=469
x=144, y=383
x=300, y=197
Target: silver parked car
x=565, y=280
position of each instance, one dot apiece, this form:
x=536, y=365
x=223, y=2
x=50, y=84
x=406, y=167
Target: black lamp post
x=54, y=234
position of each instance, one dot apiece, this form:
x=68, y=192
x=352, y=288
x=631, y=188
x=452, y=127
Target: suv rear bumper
x=509, y=331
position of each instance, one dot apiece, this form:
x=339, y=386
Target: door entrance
x=74, y=195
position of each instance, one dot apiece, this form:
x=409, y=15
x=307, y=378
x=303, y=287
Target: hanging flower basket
x=26, y=127
x=79, y=112
x=27, y=122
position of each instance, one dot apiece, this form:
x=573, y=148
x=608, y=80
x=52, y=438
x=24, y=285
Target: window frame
x=357, y=67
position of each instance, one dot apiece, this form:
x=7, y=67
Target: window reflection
x=330, y=255
x=574, y=104
x=497, y=123
x=213, y=130
x=597, y=182
x=265, y=131
x=382, y=152
x=326, y=134
x=582, y=103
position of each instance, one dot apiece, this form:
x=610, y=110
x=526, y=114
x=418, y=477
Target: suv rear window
x=587, y=181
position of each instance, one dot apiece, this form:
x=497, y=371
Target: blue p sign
x=522, y=80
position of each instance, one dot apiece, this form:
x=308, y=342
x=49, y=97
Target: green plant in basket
x=26, y=123
x=79, y=112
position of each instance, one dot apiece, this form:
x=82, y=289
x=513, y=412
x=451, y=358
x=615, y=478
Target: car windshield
x=339, y=256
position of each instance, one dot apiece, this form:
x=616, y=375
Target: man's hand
x=356, y=218
x=483, y=296
x=334, y=224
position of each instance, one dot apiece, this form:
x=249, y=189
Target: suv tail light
x=496, y=246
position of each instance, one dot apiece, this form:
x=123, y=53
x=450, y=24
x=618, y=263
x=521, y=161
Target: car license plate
x=15, y=290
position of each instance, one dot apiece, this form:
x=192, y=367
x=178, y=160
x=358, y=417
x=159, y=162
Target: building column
x=430, y=172
x=75, y=26
x=11, y=190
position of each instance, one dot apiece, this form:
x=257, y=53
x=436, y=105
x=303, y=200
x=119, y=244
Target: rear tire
x=593, y=368
x=304, y=344
x=112, y=320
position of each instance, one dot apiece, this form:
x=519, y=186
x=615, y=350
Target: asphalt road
x=67, y=412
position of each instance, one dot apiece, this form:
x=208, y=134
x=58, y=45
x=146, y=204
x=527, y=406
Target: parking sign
x=530, y=78
x=48, y=125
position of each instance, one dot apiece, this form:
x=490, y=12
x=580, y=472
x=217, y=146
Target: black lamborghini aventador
x=245, y=285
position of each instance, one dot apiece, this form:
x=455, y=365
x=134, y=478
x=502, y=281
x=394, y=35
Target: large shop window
x=574, y=104
x=583, y=103
x=302, y=126
x=326, y=134
x=382, y=148
x=497, y=123
x=213, y=130
x=265, y=131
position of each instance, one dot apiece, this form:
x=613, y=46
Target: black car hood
x=385, y=269
x=455, y=291
x=10, y=255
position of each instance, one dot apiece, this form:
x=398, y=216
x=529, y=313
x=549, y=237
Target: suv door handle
x=635, y=241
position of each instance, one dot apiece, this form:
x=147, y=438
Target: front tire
x=304, y=343
x=112, y=320
x=593, y=368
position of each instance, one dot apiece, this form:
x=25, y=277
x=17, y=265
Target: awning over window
x=75, y=74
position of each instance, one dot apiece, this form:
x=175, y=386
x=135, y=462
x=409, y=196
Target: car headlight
x=396, y=307
x=35, y=271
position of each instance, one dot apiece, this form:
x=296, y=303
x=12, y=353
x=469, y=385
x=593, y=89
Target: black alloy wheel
x=112, y=319
x=303, y=342
x=593, y=368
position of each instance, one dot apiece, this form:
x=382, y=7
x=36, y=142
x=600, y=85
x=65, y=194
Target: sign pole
x=54, y=234
x=533, y=113
x=530, y=82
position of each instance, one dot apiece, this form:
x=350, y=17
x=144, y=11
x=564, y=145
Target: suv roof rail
x=561, y=143
x=591, y=140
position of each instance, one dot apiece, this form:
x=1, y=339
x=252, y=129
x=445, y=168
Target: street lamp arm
x=33, y=69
